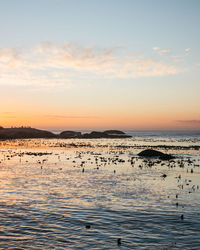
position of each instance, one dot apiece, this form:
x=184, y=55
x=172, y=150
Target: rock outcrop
x=106, y=134
x=70, y=134
x=114, y=132
x=157, y=154
x=23, y=133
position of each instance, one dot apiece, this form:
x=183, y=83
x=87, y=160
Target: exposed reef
x=154, y=153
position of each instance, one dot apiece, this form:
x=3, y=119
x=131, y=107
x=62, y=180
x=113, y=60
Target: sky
x=100, y=64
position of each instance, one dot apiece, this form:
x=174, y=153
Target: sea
x=99, y=194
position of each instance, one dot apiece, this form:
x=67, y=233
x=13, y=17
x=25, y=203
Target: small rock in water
x=87, y=226
x=119, y=242
x=155, y=153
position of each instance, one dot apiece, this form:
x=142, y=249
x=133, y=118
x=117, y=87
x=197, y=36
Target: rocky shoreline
x=28, y=133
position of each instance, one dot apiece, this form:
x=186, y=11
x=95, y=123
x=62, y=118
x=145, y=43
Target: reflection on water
x=89, y=196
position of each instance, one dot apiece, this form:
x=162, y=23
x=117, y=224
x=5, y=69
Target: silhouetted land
x=26, y=132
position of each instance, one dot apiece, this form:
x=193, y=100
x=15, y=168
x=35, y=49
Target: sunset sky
x=100, y=64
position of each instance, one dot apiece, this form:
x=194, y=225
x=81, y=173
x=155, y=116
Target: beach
x=99, y=194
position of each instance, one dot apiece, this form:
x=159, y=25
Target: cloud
x=165, y=51
x=58, y=117
x=178, y=58
x=7, y=113
x=162, y=51
x=72, y=56
x=102, y=62
x=51, y=65
x=9, y=117
x=146, y=68
x=156, y=48
x=189, y=121
x=187, y=50
x=9, y=57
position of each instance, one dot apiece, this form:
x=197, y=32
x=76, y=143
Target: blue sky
x=136, y=61
x=128, y=23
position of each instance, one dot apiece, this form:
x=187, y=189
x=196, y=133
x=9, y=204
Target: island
x=29, y=133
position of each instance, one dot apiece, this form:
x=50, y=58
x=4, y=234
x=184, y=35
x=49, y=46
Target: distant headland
x=30, y=133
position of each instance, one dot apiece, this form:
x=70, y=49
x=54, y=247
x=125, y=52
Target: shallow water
x=46, y=200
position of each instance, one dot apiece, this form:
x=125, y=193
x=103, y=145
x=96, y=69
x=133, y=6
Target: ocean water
x=167, y=134
x=87, y=194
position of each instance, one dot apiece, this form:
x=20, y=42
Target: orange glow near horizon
x=106, y=121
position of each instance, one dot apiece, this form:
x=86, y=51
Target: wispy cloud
x=161, y=51
x=189, y=121
x=9, y=57
x=48, y=64
x=58, y=117
x=187, y=50
x=7, y=113
x=156, y=48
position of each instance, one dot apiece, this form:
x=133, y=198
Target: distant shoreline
x=30, y=133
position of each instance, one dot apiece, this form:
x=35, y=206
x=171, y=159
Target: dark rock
x=155, y=153
x=119, y=242
x=70, y=134
x=166, y=157
x=27, y=132
x=24, y=133
x=106, y=134
x=114, y=132
x=95, y=135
